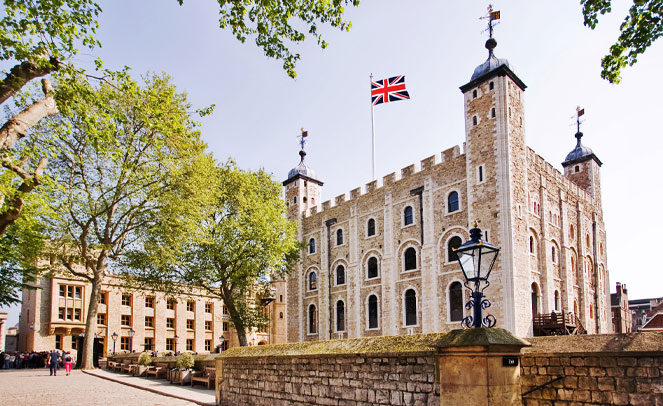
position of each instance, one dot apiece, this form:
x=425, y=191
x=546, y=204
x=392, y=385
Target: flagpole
x=373, y=133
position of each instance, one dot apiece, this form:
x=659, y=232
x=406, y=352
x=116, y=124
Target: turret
x=302, y=189
x=582, y=167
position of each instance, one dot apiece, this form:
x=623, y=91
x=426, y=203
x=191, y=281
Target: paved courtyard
x=36, y=387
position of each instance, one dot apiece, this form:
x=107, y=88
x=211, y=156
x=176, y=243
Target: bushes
x=145, y=359
x=185, y=361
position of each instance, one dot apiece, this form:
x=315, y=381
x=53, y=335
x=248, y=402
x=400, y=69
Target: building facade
x=621, y=314
x=380, y=260
x=640, y=308
x=53, y=316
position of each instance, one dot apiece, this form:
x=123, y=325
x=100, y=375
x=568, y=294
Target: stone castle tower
x=380, y=261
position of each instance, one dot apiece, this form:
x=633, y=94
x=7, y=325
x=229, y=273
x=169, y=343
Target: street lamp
x=176, y=338
x=114, y=337
x=476, y=258
x=222, y=339
x=131, y=339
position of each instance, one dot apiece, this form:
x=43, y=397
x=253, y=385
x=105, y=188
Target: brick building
x=621, y=314
x=54, y=315
x=380, y=262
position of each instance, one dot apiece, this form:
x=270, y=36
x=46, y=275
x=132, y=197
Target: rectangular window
x=101, y=319
x=190, y=305
x=225, y=310
x=480, y=173
x=170, y=304
x=124, y=343
x=149, y=321
x=170, y=322
x=189, y=344
x=61, y=313
x=189, y=324
x=225, y=326
x=208, y=307
x=77, y=314
x=78, y=290
x=74, y=342
x=102, y=298
x=62, y=290
x=70, y=291
x=125, y=320
x=208, y=325
x=126, y=299
x=149, y=344
x=58, y=342
x=149, y=302
x=70, y=314
x=170, y=344
x=208, y=345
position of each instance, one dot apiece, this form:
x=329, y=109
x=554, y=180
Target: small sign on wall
x=510, y=361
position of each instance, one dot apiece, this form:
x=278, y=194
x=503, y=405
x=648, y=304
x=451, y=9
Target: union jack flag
x=389, y=90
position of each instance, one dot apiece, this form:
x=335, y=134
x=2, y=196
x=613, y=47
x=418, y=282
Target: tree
x=147, y=159
x=38, y=37
x=243, y=241
x=641, y=27
x=271, y=22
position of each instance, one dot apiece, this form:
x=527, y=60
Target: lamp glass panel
x=466, y=260
x=487, y=259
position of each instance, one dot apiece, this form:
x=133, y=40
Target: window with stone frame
x=311, y=246
x=170, y=344
x=370, y=228
x=453, y=202
x=408, y=216
x=339, y=236
x=101, y=319
x=208, y=345
x=208, y=325
x=125, y=343
x=103, y=298
x=453, y=245
x=125, y=320
x=149, y=321
x=226, y=326
x=312, y=319
x=190, y=306
x=189, y=324
x=456, y=301
x=340, y=275
x=410, y=307
x=410, y=259
x=58, y=342
x=208, y=307
x=149, y=302
x=170, y=304
x=149, y=344
x=312, y=281
x=372, y=270
x=170, y=322
x=340, y=316
x=373, y=312
x=126, y=299
x=189, y=344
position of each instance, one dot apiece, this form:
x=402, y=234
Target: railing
x=557, y=324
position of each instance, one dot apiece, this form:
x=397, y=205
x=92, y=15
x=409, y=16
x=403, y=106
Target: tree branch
x=17, y=201
x=21, y=74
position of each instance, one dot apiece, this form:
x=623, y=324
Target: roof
x=493, y=66
x=655, y=323
x=302, y=171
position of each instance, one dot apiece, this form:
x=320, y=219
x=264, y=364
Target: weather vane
x=491, y=17
x=579, y=112
x=302, y=138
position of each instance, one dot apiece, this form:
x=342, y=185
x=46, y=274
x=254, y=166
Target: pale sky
x=436, y=45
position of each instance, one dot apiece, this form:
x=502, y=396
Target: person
x=53, y=359
x=68, y=361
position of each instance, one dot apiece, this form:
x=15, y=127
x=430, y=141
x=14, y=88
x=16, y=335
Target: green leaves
x=641, y=27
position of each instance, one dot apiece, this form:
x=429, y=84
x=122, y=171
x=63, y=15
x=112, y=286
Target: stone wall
x=354, y=372
x=616, y=369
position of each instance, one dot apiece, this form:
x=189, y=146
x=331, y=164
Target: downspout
x=419, y=192
x=596, y=277
x=329, y=223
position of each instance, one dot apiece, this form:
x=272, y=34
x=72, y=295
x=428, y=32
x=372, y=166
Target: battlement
x=537, y=160
x=387, y=180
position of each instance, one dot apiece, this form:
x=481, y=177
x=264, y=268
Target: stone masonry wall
x=619, y=369
x=340, y=380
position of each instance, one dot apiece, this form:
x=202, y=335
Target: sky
x=436, y=45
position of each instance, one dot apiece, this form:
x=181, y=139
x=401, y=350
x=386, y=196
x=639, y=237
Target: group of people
x=53, y=360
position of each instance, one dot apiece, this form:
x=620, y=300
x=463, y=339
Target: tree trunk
x=236, y=318
x=91, y=320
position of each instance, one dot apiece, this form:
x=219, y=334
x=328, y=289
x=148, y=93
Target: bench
x=159, y=369
x=127, y=366
x=111, y=365
x=206, y=376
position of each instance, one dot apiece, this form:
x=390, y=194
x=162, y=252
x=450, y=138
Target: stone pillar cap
x=480, y=337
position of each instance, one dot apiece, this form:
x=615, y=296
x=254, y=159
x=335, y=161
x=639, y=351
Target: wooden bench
x=127, y=366
x=158, y=370
x=206, y=376
x=111, y=365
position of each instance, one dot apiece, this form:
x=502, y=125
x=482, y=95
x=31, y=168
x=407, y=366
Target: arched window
x=312, y=281
x=535, y=299
x=591, y=311
x=575, y=307
x=311, y=246
x=339, y=237
x=588, y=241
x=410, y=307
x=340, y=316
x=372, y=311
x=554, y=255
x=372, y=271
x=456, y=301
x=370, y=227
x=474, y=94
x=281, y=315
x=572, y=232
x=573, y=264
x=491, y=86
x=408, y=217
x=312, y=320
x=340, y=275
x=531, y=244
x=454, y=243
x=410, y=259
x=492, y=112
x=474, y=120
x=452, y=202
x=556, y=301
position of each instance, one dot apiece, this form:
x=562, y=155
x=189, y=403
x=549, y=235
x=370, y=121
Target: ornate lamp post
x=476, y=258
x=114, y=337
x=222, y=339
x=131, y=339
